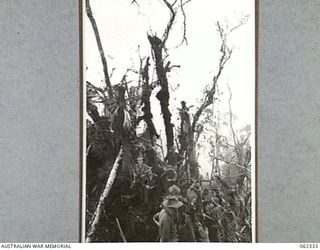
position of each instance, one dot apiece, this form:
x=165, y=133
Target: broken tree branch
x=120, y=231
x=170, y=23
x=100, y=92
x=188, y=1
x=232, y=163
x=209, y=93
x=184, y=36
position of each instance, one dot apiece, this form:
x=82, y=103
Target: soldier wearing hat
x=176, y=191
x=168, y=219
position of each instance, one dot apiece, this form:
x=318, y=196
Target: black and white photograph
x=169, y=121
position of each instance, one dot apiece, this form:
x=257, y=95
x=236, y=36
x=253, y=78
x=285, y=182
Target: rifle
x=231, y=236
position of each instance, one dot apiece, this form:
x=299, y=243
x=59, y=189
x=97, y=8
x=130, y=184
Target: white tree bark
x=104, y=195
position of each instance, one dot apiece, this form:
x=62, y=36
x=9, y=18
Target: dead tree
x=189, y=136
x=100, y=48
x=208, y=98
x=163, y=95
x=158, y=46
x=242, y=157
x=186, y=139
x=145, y=100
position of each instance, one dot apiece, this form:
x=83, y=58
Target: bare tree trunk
x=97, y=215
x=145, y=98
x=99, y=44
x=163, y=95
x=187, y=142
x=238, y=147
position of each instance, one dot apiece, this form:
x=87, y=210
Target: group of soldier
x=214, y=214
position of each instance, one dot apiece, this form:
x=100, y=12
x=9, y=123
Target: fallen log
x=97, y=215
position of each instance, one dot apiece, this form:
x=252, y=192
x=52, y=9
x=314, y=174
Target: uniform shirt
x=151, y=181
x=141, y=170
x=167, y=227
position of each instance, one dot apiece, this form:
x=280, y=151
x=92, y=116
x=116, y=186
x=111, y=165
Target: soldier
x=141, y=167
x=229, y=222
x=194, y=197
x=176, y=191
x=151, y=182
x=168, y=219
x=192, y=194
x=168, y=177
x=185, y=226
x=215, y=211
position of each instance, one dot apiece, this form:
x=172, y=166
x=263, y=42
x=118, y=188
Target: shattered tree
x=115, y=210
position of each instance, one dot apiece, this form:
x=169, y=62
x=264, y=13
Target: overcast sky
x=124, y=27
